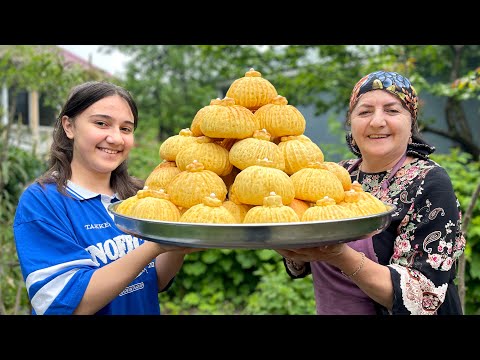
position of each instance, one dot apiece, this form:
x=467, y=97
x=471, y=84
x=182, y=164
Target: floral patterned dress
x=423, y=241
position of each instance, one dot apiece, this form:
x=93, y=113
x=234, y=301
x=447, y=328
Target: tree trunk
x=458, y=128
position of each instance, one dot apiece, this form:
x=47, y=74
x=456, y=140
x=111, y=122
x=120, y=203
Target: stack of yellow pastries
x=245, y=159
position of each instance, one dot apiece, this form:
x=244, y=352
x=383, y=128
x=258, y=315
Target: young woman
x=73, y=258
x=410, y=267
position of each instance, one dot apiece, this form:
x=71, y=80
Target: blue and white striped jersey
x=61, y=241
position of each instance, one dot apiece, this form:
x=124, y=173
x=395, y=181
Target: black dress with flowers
x=424, y=240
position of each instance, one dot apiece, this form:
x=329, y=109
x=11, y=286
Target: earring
x=355, y=144
x=410, y=140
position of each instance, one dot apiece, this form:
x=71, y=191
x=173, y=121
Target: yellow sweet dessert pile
x=245, y=159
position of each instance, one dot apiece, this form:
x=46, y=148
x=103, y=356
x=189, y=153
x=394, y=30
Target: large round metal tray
x=254, y=236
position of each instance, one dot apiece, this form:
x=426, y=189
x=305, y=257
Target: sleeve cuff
x=295, y=270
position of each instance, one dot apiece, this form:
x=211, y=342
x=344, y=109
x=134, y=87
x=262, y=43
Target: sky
x=114, y=63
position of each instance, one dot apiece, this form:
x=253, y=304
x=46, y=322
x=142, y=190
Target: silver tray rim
x=253, y=236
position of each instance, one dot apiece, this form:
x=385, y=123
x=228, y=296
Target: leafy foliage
x=223, y=278
x=237, y=282
x=144, y=156
x=17, y=171
x=277, y=294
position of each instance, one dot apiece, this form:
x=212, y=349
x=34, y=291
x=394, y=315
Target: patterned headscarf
x=390, y=81
x=400, y=86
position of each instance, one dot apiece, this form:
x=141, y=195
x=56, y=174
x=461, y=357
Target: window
x=21, y=108
x=47, y=113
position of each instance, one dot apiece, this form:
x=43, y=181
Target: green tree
x=172, y=82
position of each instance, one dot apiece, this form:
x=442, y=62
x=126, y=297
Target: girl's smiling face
x=102, y=136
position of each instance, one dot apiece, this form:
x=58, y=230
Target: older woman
x=410, y=267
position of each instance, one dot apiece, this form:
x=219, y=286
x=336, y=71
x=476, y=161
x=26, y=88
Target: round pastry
x=197, y=119
x=299, y=152
x=172, y=145
x=156, y=207
x=210, y=211
x=340, y=172
x=161, y=176
x=191, y=186
x=327, y=209
x=246, y=152
x=146, y=192
x=213, y=156
x=361, y=204
x=125, y=208
x=257, y=181
x=228, y=120
x=252, y=91
x=279, y=118
x=378, y=205
x=313, y=183
x=271, y=211
x=237, y=210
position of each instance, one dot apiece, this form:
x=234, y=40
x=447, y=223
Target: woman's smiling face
x=381, y=126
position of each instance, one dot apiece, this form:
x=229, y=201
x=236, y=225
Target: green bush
x=16, y=173
x=230, y=281
x=277, y=294
x=215, y=281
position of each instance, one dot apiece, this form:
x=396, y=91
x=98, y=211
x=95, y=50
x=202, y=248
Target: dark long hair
x=61, y=151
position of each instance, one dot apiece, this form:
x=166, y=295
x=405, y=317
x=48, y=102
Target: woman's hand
x=320, y=253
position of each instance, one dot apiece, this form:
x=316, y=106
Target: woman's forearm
x=374, y=279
